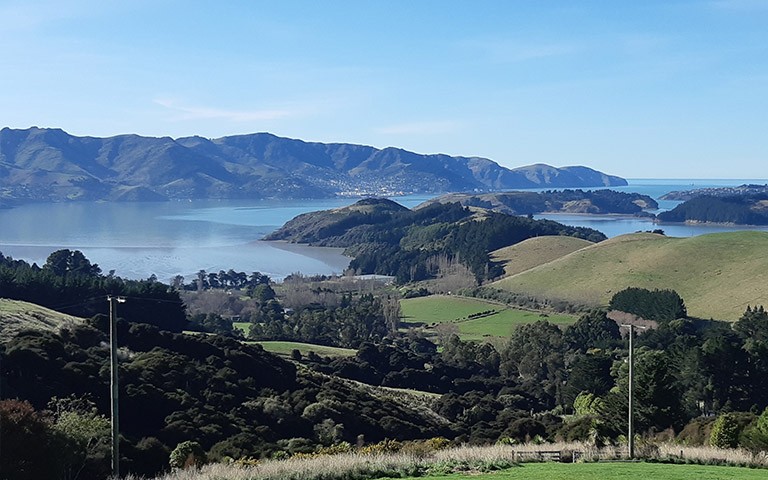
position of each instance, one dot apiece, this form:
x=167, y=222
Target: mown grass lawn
x=608, y=471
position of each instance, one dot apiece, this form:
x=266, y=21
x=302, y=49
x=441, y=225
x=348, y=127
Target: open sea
x=182, y=237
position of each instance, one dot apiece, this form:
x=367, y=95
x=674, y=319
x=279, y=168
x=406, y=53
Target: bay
x=166, y=239
x=614, y=225
x=182, y=237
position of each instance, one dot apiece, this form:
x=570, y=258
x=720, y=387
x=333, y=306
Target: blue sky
x=640, y=89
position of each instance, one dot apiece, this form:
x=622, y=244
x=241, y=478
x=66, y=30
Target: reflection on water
x=171, y=238
x=182, y=237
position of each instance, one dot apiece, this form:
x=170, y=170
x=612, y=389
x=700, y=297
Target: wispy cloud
x=420, y=128
x=187, y=112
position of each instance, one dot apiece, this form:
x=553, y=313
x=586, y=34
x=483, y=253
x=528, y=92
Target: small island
x=592, y=202
x=735, y=210
x=741, y=190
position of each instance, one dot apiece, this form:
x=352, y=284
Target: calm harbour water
x=182, y=237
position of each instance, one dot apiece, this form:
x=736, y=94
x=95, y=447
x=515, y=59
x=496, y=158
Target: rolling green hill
x=717, y=275
x=536, y=251
x=16, y=316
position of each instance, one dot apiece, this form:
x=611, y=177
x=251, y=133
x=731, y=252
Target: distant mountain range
x=40, y=164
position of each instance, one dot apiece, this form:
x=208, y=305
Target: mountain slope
x=49, y=164
x=717, y=275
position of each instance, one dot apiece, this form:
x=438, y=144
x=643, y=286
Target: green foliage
x=587, y=404
x=536, y=355
x=187, y=454
x=359, y=320
x=212, y=323
x=87, y=436
x=725, y=432
x=593, y=330
x=661, y=305
x=68, y=262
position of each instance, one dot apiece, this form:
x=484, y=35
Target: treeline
x=69, y=283
x=223, y=279
x=740, y=210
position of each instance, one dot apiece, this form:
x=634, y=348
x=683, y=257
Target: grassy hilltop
x=536, y=251
x=17, y=315
x=717, y=275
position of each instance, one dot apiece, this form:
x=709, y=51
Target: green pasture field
x=717, y=274
x=285, y=349
x=502, y=323
x=436, y=309
x=610, y=471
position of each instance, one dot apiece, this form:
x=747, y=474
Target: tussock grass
x=357, y=466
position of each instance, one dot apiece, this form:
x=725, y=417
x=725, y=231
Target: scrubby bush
x=725, y=432
x=187, y=454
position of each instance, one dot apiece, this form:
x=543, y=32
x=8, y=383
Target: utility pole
x=631, y=430
x=630, y=410
x=113, y=301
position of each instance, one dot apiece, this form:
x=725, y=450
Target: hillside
x=717, y=275
x=565, y=201
x=16, y=316
x=536, y=251
x=51, y=165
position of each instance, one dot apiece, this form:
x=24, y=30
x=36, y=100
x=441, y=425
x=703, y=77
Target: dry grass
x=712, y=455
x=350, y=466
